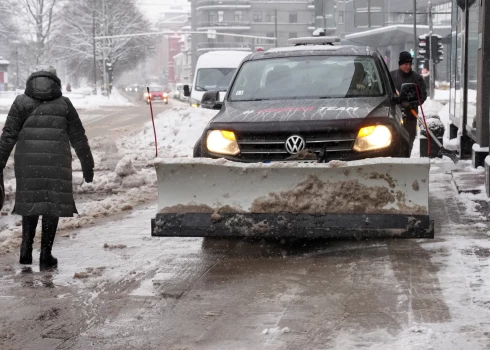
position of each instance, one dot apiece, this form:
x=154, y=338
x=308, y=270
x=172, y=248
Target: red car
x=157, y=93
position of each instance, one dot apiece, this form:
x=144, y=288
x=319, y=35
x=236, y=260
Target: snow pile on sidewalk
x=177, y=129
x=125, y=186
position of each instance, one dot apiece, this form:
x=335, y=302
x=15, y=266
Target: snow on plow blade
x=378, y=197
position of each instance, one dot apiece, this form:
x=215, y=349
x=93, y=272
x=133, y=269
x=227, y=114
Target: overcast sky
x=153, y=8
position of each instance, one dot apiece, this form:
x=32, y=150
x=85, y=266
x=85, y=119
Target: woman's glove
x=88, y=175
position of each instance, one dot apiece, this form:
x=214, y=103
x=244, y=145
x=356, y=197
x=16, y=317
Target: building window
x=258, y=17
x=368, y=13
x=270, y=34
x=340, y=20
x=238, y=16
x=293, y=35
x=212, y=17
x=269, y=17
x=293, y=18
x=220, y=16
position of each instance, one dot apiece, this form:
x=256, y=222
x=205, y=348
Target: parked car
x=178, y=88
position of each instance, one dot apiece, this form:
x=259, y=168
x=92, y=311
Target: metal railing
x=224, y=24
x=222, y=2
x=226, y=45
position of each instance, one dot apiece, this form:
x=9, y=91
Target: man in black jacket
x=404, y=75
x=42, y=124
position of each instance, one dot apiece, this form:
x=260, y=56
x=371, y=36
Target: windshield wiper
x=324, y=97
x=200, y=88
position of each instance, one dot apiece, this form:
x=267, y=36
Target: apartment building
x=257, y=19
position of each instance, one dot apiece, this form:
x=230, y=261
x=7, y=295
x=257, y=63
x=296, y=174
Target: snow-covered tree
x=8, y=29
x=76, y=38
x=37, y=18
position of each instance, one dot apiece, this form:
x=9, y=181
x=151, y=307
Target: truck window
x=214, y=79
x=307, y=77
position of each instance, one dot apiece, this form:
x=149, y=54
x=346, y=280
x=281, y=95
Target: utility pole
x=431, y=58
x=369, y=13
x=464, y=102
x=275, y=25
x=16, y=43
x=94, y=90
x=17, y=67
x=104, y=49
x=415, y=38
x=324, y=16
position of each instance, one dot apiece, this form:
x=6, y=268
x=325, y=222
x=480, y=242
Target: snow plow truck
x=308, y=142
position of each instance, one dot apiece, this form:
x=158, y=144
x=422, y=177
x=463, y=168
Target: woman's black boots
x=29, y=224
x=46, y=260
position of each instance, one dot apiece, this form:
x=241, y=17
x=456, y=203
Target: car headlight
x=194, y=103
x=372, y=137
x=223, y=142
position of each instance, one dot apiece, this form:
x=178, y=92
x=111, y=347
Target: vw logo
x=295, y=144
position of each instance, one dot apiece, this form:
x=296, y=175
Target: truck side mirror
x=210, y=100
x=187, y=91
x=408, y=93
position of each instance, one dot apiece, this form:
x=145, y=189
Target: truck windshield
x=307, y=77
x=214, y=79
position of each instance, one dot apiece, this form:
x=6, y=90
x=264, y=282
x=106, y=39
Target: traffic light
x=426, y=48
x=437, y=49
x=108, y=67
x=423, y=43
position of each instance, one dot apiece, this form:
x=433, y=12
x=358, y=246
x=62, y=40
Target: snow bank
x=177, y=129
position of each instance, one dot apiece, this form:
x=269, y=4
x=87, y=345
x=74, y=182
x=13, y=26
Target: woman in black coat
x=42, y=124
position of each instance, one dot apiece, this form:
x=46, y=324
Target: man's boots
x=46, y=260
x=29, y=224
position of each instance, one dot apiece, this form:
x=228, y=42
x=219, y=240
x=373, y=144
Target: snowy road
x=118, y=288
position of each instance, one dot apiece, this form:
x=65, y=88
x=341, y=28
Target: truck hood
x=303, y=110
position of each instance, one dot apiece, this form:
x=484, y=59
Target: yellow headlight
x=372, y=138
x=222, y=142
x=368, y=130
x=195, y=105
x=229, y=135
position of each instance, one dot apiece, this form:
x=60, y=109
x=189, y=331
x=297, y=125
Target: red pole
x=153, y=121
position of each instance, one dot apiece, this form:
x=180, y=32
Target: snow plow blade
x=378, y=197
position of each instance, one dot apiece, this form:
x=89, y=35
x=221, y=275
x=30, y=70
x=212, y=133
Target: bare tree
x=76, y=38
x=8, y=29
x=39, y=17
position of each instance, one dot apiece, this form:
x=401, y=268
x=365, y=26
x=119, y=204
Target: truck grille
x=261, y=147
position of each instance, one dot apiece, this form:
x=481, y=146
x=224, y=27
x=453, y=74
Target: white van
x=214, y=71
